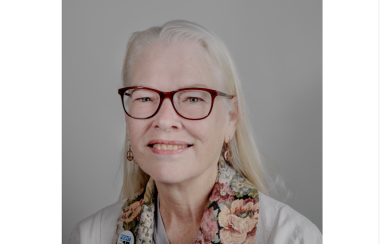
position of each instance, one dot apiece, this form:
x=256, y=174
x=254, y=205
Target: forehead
x=169, y=67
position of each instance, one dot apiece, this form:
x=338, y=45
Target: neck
x=187, y=200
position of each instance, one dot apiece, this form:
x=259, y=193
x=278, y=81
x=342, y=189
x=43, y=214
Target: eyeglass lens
x=192, y=104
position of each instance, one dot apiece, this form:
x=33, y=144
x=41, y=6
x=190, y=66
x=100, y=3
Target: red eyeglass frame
x=170, y=95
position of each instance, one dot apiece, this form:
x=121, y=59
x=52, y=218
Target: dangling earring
x=130, y=154
x=228, y=155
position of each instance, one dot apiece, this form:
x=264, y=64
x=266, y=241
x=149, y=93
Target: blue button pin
x=126, y=237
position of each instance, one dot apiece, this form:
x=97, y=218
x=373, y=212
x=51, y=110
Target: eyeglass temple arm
x=225, y=95
x=120, y=92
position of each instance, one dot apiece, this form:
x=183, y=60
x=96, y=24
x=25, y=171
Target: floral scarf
x=231, y=217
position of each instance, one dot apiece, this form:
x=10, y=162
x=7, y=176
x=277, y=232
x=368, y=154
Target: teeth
x=168, y=147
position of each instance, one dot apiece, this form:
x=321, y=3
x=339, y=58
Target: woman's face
x=168, y=67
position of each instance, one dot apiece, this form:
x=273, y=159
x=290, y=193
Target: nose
x=167, y=118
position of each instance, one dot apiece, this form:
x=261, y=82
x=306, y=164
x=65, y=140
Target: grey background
x=277, y=48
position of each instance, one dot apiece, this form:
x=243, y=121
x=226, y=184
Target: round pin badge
x=126, y=237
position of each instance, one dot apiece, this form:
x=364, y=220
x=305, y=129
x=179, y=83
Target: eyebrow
x=198, y=85
x=195, y=86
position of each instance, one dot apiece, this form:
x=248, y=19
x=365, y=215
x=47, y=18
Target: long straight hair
x=246, y=158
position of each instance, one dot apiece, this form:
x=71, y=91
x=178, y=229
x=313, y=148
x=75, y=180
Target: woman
x=192, y=171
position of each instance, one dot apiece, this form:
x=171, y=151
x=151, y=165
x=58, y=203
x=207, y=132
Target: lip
x=158, y=141
x=168, y=152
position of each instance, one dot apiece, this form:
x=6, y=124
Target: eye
x=193, y=99
x=144, y=99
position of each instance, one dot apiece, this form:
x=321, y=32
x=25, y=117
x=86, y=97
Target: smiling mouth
x=169, y=147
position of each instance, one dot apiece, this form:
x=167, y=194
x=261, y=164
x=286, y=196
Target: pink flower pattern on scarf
x=238, y=221
x=222, y=193
x=132, y=211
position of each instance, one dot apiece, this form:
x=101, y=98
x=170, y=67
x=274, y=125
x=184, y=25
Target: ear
x=233, y=120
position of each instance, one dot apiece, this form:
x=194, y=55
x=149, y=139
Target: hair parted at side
x=246, y=158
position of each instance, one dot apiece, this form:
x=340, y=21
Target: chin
x=168, y=178
x=166, y=173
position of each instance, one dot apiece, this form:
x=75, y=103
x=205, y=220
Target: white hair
x=246, y=159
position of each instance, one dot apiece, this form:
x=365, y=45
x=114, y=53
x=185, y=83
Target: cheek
x=209, y=132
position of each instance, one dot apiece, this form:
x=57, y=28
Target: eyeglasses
x=189, y=103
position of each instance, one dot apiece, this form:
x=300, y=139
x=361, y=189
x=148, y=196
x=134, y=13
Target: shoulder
x=279, y=223
x=97, y=228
